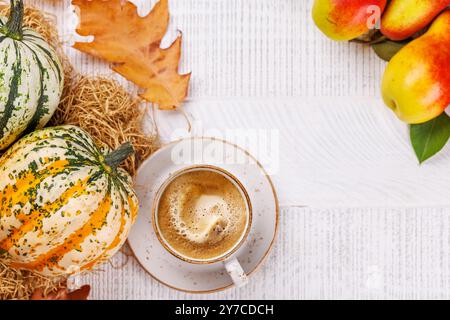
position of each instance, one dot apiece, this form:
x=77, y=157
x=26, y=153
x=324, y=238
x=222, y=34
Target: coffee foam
x=202, y=218
x=205, y=210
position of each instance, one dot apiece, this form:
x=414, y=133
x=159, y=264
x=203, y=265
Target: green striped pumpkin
x=31, y=78
x=65, y=206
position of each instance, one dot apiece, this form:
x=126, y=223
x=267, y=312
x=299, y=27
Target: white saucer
x=198, y=278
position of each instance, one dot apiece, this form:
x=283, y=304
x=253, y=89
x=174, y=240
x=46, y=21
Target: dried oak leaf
x=132, y=44
x=63, y=294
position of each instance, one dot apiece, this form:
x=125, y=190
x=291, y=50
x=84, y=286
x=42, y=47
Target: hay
x=20, y=284
x=100, y=106
x=109, y=113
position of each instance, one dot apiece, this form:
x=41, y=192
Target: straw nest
x=107, y=111
x=103, y=108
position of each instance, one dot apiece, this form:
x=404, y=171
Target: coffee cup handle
x=236, y=272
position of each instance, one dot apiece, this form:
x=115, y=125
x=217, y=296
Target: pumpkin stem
x=115, y=158
x=13, y=28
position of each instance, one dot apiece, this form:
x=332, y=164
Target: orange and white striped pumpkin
x=64, y=204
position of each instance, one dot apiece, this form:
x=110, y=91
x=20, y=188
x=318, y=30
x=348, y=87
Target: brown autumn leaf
x=132, y=44
x=63, y=294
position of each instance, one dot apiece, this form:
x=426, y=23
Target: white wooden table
x=360, y=218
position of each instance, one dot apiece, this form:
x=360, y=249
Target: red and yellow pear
x=343, y=20
x=416, y=83
x=404, y=18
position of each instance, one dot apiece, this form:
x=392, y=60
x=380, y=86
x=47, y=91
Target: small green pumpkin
x=31, y=78
x=65, y=206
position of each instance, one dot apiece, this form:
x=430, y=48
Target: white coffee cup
x=228, y=259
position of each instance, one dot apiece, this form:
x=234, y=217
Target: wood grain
x=331, y=152
x=362, y=253
x=262, y=66
x=377, y=225
x=252, y=48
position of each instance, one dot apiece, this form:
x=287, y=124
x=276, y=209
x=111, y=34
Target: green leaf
x=3, y=252
x=386, y=50
x=430, y=137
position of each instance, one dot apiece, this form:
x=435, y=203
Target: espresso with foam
x=202, y=215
